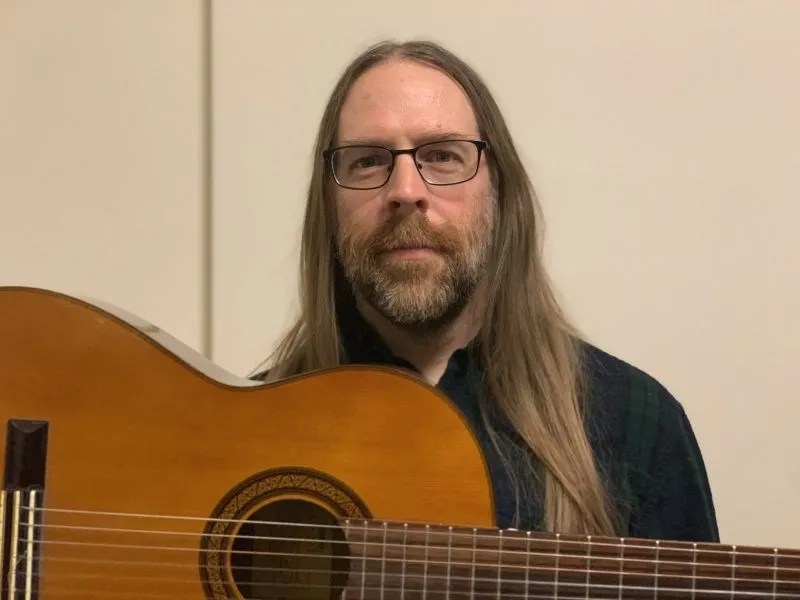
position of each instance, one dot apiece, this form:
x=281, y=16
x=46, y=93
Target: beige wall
x=100, y=154
x=662, y=138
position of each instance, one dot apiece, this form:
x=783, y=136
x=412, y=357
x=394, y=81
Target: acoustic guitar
x=134, y=468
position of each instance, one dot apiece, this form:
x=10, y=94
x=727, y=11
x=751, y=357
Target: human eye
x=442, y=156
x=365, y=162
x=442, y=153
x=365, y=159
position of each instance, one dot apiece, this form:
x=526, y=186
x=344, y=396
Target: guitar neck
x=489, y=563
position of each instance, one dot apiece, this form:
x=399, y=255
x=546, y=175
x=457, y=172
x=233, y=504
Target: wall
x=661, y=137
x=101, y=154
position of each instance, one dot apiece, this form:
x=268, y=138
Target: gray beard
x=419, y=295
x=417, y=302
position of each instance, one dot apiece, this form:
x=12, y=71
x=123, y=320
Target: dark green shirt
x=646, y=450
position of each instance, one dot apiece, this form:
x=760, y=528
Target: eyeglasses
x=439, y=163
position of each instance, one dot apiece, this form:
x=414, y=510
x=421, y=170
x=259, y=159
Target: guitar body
x=153, y=460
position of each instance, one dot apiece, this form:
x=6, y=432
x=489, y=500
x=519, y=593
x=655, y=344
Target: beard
x=422, y=294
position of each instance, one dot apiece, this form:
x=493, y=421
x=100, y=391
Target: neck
x=429, y=351
x=489, y=564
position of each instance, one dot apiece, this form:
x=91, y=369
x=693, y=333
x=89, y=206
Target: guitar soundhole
x=253, y=548
x=290, y=549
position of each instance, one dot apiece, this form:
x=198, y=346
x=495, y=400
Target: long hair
x=531, y=355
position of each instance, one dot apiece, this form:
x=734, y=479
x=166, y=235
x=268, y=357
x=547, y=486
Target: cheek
x=463, y=209
x=358, y=213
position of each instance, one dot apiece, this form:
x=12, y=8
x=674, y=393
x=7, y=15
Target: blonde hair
x=531, y=355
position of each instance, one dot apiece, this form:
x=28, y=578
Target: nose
x=406, y=190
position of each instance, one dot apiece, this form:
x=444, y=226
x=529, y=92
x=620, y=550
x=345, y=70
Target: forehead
x=404, y=102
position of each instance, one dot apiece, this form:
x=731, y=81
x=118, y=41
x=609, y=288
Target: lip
x=411, y=253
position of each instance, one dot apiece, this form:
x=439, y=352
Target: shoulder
x=646, y=443
x=629, y=412
x=617, y=389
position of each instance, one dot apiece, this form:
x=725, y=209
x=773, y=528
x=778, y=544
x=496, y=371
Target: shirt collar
x=363, y=345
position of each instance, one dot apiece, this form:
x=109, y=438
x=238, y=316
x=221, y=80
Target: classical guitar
x=134, y=468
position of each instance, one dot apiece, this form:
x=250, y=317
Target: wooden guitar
x=134, y=468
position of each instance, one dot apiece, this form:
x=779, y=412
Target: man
x=421, y=250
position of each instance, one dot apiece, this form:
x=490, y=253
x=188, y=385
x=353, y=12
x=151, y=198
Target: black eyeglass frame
x=481, y=145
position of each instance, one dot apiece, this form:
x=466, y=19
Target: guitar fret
x=588, y=564
x=655, y=574
x=403, y=576
x=347, y=538
x=527, y=564
x=775, y=574
x=449, y=559
x=694, y=570
x=474, y=560
x=425, y=563
x=364, y=560
x=621, y=569
x=556, y=571
x=733, y=572
x=383, y=558
x=499, y=563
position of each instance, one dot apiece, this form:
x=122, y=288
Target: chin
x=417, y=306
x=419, y=273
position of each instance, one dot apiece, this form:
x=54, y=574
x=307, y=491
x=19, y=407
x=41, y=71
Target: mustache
x=413, y=232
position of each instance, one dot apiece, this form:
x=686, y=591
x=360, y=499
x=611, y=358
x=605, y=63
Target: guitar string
x=356, y=525
x=107, y=594
x=367, y=528
x=486, y=566
x=493, y=586
x=363, y=544
x=527, y=570
x=376, y=590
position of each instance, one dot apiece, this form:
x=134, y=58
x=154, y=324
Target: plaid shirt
x=643, y=442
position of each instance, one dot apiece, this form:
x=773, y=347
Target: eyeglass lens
x=439, y=163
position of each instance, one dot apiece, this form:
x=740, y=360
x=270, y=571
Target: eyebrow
x=422, y=138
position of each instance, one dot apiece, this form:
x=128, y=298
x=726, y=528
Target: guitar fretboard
x=402, y=560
